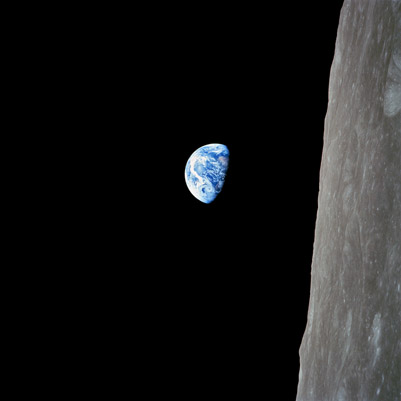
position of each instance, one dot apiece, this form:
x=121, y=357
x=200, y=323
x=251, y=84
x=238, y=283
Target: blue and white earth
x=206, y=170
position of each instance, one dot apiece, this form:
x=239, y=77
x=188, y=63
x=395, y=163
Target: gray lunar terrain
x=351, y=349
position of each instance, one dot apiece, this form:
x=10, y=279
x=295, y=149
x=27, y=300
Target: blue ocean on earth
x=206, y=170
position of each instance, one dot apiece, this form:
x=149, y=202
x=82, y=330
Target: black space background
x=230, y=281
x=185, y=298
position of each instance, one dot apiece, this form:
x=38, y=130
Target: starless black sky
x=238, y=270
x=217, y=294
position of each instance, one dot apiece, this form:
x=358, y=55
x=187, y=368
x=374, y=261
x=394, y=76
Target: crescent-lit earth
x=206, y=170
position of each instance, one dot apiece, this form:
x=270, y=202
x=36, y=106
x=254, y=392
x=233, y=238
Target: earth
x=206, y=170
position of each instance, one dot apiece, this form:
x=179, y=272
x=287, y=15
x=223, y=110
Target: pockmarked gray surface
x=351, y=349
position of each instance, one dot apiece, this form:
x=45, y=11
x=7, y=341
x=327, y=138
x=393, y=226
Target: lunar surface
x=351, y=348
x=206, y=170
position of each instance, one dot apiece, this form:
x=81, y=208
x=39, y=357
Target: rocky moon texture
x=351, y=349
